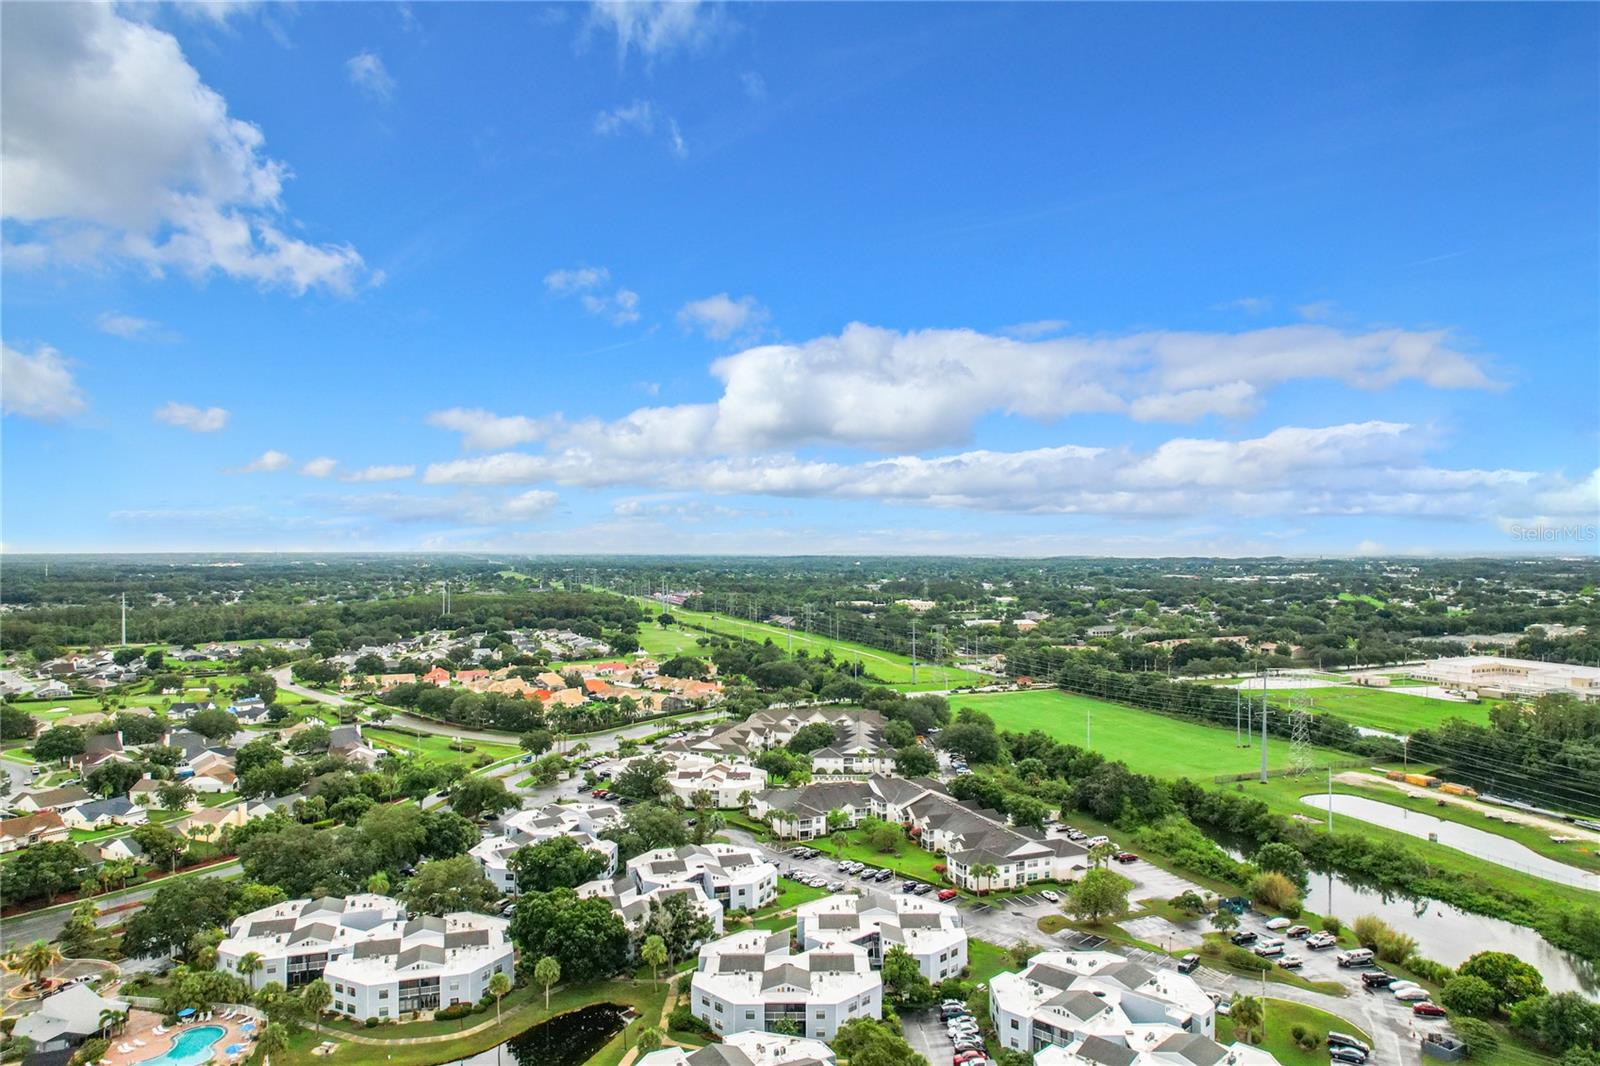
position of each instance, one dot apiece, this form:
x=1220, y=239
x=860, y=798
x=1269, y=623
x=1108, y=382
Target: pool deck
x=142, y=1025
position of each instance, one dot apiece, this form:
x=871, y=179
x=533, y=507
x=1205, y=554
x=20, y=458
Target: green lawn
x=984, y=960
x=520, y=1011
x=892, y=668
x=665, y=642
x=1281, y=1016
x=434, y=746
x=1392, y=711
x=907, y=860
x=1148, y=742
x=790, y=894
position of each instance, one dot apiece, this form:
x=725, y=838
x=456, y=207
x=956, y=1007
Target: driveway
x=927, y=1037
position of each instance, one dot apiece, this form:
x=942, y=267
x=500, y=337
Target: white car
x=1411, y=995
x=1279, y=923
x=1053, y=897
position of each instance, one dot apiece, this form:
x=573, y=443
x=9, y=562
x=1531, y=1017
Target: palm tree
x=316, y=996
x=37, y=959
x=499, y=985
x=649, y=1040
x=984, y=872
x=111, y=1019
x=1101, y=854
x=654, y=952
x=1249, y=1016
x=547, y=971
x=273, y=1039
x=249, y=964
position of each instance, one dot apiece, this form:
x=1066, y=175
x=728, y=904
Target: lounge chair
x=137, y=1042
x=125, y=1049
x=160, y=1030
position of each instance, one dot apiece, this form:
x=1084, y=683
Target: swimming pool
x=189, y=1048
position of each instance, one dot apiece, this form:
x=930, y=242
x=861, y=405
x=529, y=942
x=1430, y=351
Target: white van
x=1357, y=957
x=1095, y=842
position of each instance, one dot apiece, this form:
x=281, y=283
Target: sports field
x=1148, y=742
x=887, y=666
x=1394, y=712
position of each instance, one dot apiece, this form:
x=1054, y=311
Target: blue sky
x=1031, y=279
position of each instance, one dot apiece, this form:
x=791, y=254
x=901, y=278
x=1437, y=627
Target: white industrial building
x=582, y=822
x=752, y=982
x=738, y=878
x=929, y=931
x=1497, y=676
x=377, y=962
x=1063, y=997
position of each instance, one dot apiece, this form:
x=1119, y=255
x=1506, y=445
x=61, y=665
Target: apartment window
x=1013, y=1025
x=704, y=1002
x=822, y=1016
x=749, y=1015
x=383, y=993
x=383, y=1012
x=718, y=1008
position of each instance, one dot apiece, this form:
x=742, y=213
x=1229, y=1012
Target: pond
x=1443, y=933
x=1477, y=842
x=569, y=1039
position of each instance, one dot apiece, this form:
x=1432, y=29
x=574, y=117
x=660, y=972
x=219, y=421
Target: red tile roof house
x=467, y=677
x=42, y=828
x=437, y=676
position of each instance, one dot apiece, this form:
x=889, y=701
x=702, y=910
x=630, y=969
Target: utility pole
x=1263, y=742
x=124, y=619
x=1237, y=699
x=913, y=651
x=1330, y=799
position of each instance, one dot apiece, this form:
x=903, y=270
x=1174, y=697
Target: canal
x=569, y=1039
x=1490, y=847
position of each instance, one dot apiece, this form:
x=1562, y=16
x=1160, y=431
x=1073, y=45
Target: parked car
x=1269, y=949
x=1428, y=1010
x=885, y=875
x=1355, y=958
x=923, y=888
x=1411, y=995
x=1126, y=857
x=1189, y=963
x=1053, y=897
x=1347, y=1054
x=1278, y=923
x=1338, y=1039
x=1095, y=842
x=1291, y=962
x=947, y=894
x=1295, y=932
x=1319, y=941
x=1243, y=937
x=1376, y=979
x=908, y=886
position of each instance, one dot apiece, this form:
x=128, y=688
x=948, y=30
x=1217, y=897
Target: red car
x=1127, y=857
x=948, y=894
x=599, y=793
x=967, y=1056
x=1428, y=1010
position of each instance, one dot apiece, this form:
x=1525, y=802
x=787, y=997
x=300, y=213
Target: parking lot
x=926, y=1035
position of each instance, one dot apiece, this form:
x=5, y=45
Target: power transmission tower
x=1300, y=732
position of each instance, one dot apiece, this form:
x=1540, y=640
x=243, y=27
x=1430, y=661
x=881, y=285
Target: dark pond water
x=566, y=1040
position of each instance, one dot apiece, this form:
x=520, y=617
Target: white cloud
x=1033, y=330
x=1250, y=305
x=114, y=150
x=1367, y=468
x=38, y=386
x=486, y=431
x=621, y=307
x=195, y=419
x=655, y=27
x=268, y=462
x=469, y=508
x=366, y=72
x=755, y=86
x=322, y=466
x=577, y=279
x=128, y=327
x=1233, y=399
x=639, y=115
x=1317, y=310
x=721, y=316
x=680, y=147
x=392, y=472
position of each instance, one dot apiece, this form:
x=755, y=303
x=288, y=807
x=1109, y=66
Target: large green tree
x=1099, y=894
x=442, y=886
x=585, y=937
x=560, y=862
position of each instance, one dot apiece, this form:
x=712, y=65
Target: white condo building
x=582, y=822
x=1063, y=997
x=929, y=931
x=729, y=784
x=751, y=982
x=738, y=878
x=747, y=1049
x=376, y=961
x=1154, y=1045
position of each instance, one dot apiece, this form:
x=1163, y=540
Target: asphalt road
x=47, y=924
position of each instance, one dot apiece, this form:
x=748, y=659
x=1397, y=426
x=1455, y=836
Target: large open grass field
x=1148, y=742
x=1394, y=712
x=434, y=746
x=891, y=668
